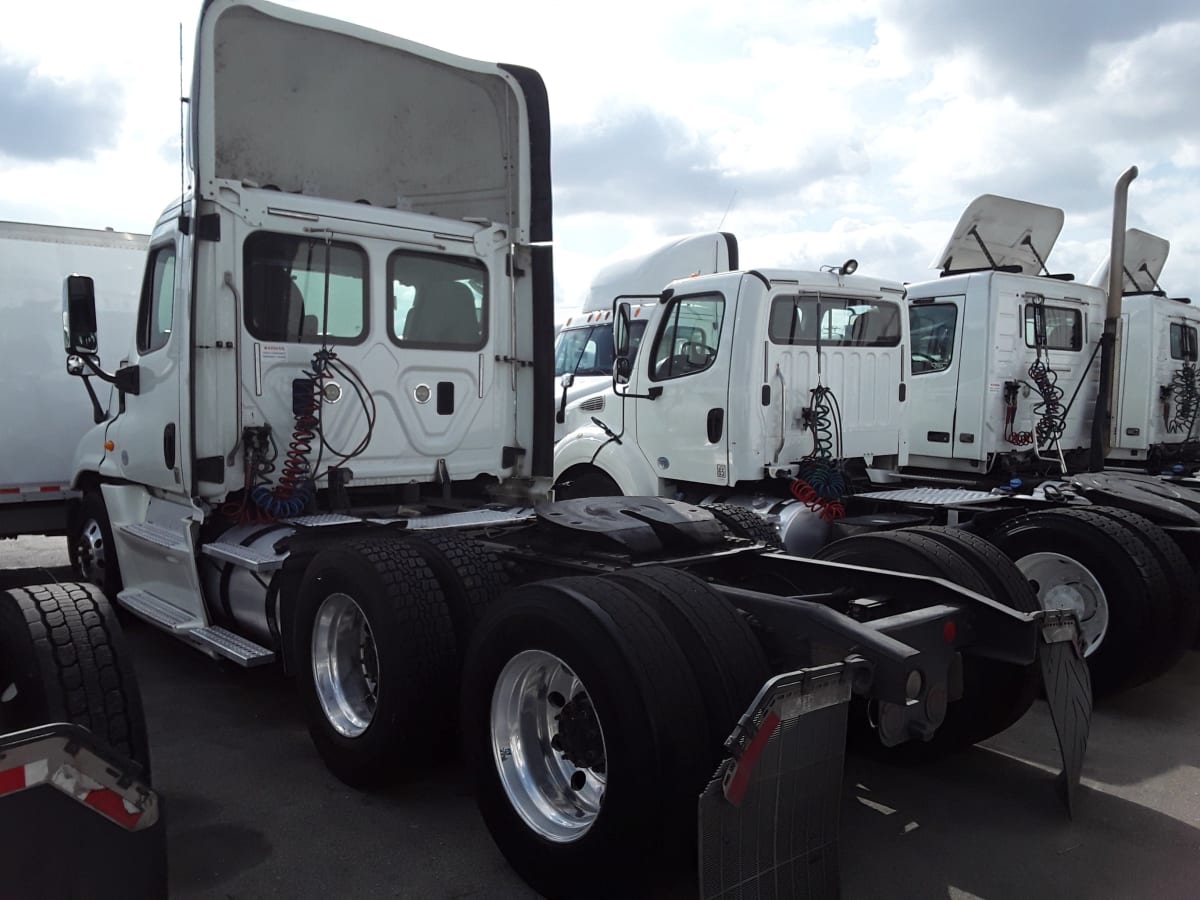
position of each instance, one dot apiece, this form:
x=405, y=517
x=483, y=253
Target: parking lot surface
x=252, y=812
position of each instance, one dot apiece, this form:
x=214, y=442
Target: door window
x=933, y=329
x=1055, y=328
x=1183, y=342
x=689, y=336
x=589, y=351
x=304, y=290
x=158, y=300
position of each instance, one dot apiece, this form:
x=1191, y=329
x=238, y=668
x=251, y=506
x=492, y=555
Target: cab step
x=183, y=624
x=245, y=557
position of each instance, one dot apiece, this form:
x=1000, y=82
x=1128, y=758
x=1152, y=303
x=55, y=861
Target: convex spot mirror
x=79, y=316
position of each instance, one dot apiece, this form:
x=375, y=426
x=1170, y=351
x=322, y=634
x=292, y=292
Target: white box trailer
x=45, y=412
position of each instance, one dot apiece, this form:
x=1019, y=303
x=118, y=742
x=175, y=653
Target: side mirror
x=622, y=369
x=567, y=380
x=79, y=316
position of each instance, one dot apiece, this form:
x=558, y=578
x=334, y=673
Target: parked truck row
x=330, y=446
x=832, y=403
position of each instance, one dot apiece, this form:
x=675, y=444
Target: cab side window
x=689, y=336
x=158, y=300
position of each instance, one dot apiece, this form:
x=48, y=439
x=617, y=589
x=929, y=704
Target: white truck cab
x=1157, y=391
x=1003, y=362
x=724, y=380
x=583, y=349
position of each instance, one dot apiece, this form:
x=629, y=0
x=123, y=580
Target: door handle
x=169, y=446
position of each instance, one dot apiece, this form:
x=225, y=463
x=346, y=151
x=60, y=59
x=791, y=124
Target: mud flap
x=769, y=818
x=1069, y=694
x=77, y=820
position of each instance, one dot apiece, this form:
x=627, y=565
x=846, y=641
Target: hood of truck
x=1003, y=225
x=309, y=105
x=1145, y=256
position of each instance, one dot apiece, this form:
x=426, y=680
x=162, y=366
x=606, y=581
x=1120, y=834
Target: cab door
x=149, y=433
x=935, y=356
x=684, y=432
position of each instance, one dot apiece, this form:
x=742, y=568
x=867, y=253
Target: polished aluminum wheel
x=345, y=665
x=549, y=746
x=91, y=552
x=1064, y=583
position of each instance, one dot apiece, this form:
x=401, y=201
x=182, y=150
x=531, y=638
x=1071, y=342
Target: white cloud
x=839, y=127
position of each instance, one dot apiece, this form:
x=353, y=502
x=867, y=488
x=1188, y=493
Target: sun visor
x=314, y=106
x=1007, y=228
x=1145, y=256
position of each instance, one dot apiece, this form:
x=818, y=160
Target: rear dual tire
x=657, y=668
x=1101, y=567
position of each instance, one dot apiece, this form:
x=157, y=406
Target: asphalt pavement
x=252, y=813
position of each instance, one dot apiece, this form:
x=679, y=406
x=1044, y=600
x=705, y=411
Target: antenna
x=728, y=206
x=182, y=101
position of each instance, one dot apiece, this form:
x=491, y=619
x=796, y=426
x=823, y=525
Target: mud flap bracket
x=769, y=817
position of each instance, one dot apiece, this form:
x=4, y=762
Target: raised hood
x=324, y=108
x=1145, y=256
x=1007, y=228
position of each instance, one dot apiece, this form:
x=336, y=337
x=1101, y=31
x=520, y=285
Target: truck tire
x=995, y=694
x=63, y=658
x=376, y=660
x=724, y=655
x=745, y=523
x=471, y=577
x=90, y=546
x=1185, y=628
x=585, y=483
x=585, y=653
x=1084, y=558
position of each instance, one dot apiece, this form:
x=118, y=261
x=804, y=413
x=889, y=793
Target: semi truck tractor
x=833, y=403
x=329, y=446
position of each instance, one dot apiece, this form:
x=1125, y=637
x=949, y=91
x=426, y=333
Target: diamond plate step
x=931, y=496
x=157, y=610
x=155, y=534
x=231, y=646
x=246, y=557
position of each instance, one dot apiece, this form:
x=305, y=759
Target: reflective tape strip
x=735, y=790
x=20, y=777
x=110, y=805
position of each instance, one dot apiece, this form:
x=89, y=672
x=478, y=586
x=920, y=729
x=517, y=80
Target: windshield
x=589, y=351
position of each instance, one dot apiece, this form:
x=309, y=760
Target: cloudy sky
x=815, y=129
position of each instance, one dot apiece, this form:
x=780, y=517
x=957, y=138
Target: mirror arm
x=127, y=379
x=98, y=413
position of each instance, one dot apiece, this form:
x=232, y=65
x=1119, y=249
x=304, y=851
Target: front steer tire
x=376, y=659
x=652, y=726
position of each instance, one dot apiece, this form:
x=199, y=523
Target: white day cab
x=330, y=447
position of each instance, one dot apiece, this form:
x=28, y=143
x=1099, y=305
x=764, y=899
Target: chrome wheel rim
x=543, y=724
x=91, y=552
x=345, y=664
x=1065, y=583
